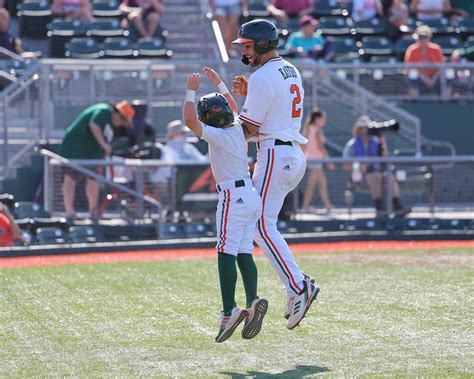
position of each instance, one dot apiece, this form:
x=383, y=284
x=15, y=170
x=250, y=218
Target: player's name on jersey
x=288, y=72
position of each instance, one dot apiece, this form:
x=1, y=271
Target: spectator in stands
x=306, y=42
x=283, y=10
x=315, y=149
x=89, y=137
x=73, y=10
x=181, y=149
x=8, y=40
x=423, y=51
x=365, y=9
x=365, y=145
x=9, y=231
x=144, y=15
x=227, y=14
x=434, y=9
x=396, y=14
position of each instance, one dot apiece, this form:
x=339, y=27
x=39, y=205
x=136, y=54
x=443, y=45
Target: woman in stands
x=73, y=9
x=144, y=15
x=315, y=149
x=434, y=9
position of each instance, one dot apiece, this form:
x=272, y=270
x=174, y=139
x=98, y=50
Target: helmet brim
x=243, y=40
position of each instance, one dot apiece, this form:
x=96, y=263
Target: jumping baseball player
x=239, y=205
x=273, y=112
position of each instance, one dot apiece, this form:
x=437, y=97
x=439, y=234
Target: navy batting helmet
x=262, y=32
x=214, y=110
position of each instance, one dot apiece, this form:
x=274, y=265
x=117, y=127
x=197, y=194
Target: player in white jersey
x=239, y=204
x=273, y=112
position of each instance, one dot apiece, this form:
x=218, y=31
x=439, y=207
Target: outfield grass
x=391, y=314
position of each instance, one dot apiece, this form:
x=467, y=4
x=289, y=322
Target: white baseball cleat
x=291, y=299
x=301, y=303
x=229, y=323
x=254, y=320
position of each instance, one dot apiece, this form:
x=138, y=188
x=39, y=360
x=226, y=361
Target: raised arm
x=190, y=117
x=216, y=80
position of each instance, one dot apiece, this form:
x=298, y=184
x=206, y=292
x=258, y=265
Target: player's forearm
x=190, y=118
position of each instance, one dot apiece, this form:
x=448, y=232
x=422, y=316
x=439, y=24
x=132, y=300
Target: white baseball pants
x=278, y=171
x=238, y=210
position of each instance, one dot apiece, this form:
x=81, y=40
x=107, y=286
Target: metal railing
x=429, y=184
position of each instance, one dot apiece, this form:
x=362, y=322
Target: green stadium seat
x=83, y=48
x=84, y=234
x=372, y=27
x=347, y=58
x=401, y=46
x=376, y=46
x=466, y=27
x=61, y=32
x=103, y=28
x=328, y=8
x=198, y=230
x=256, y=9
x=336, y=26
x=48, y=222
x=34, y=16
x=106, y=8
x=448, y=44
x=152, y=48
x=51, y=236
x=13, y=66
x=441, y=26
x=29, y=209
x=118, y=48
x=344, y=46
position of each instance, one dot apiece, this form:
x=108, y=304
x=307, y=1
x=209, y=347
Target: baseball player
x=272, y=112
x=239, y=205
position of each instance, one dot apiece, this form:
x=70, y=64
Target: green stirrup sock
x=248, y=270
x=228, y=280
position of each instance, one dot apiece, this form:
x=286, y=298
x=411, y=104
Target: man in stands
x=8, y=40
x=424, y=51
x=89, y=137
x=73, y=10
x=144, y=15
x=9, y=231
x=306, y=42
x=364, y=144
x=283, y=10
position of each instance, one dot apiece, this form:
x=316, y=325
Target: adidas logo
x=287, y=167
x=239, y=201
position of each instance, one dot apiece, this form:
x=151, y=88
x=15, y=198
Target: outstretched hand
x=212, y=75
x=194, y=80
x=240, y=85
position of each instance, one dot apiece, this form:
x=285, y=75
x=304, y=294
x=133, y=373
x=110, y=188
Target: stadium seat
x=336, y=26
x=401, y=224
x=8, y=199
x=152, y=48
x=61, y=32
x=118, y=48
x=48, y=222
x=328, y=226
x=347, y=58
x=84, y=234
x=448, y=44
x=106, y=8
x=466, y=28
x=372, y=27
x=344, y=46
x=197, y=230
x=34, y=16
x=328, y=8
x=362, y=224
x=440, y=26
x=103, y=28
x=83, y=48
x=256, y=9
x=29, y=209
x=13, y=66
x=383, y=59
x=376, y=46
x=51, y=236
x=172, y=231
x=447, y=224
x=401, y=46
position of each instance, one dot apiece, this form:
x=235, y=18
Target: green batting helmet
x=214, y=110
x=262, y=32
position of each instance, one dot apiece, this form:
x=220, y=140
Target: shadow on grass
x=300, y=371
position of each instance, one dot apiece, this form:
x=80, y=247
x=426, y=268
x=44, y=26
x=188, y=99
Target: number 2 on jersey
x=295, y=110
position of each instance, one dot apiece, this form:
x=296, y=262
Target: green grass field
x=378, y=314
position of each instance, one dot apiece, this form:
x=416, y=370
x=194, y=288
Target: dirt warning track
x=186, y=254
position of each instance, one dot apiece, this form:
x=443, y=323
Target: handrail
x=16, y=156
x=11, y=54
x=21, y=82
x=76, y=166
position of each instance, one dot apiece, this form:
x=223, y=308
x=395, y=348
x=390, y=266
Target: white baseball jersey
x=274, y=101
x=227, y=152
x=239, y=205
